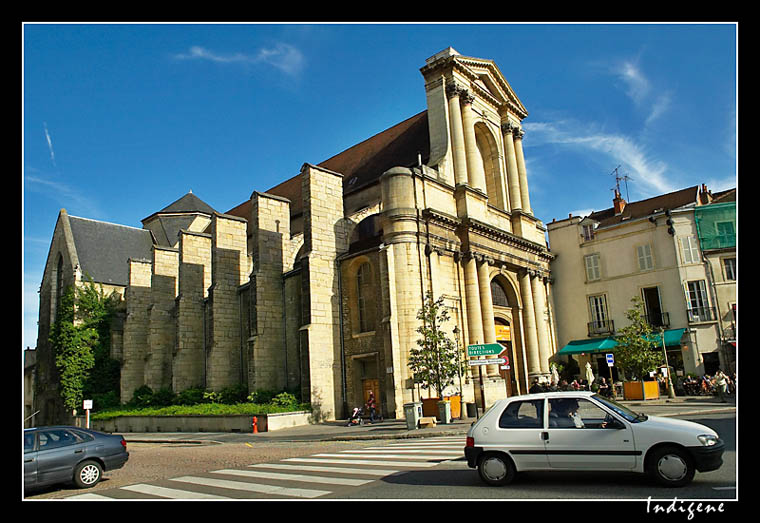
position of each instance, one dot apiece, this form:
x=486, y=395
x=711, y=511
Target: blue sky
x=121, y=120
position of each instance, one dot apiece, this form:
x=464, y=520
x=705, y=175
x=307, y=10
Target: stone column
x=486, y=310
x=161, y=322
x=189, y=362
x=457, y=134
x=529, y=324
x=229, y=270
x=539, y=303
x=475, y=172
x=472, y=294
x=518, y=134
x=513, y=176
x=138, y=299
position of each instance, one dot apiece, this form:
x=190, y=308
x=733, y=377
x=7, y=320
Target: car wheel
x=496, y=469
x=671, y=467
x=87, y=474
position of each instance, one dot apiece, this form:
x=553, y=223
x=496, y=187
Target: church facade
x=316, y=283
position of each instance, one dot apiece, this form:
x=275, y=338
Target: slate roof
x=104, y=248
x=364, y=163
x=177, y=215
x=644, y=208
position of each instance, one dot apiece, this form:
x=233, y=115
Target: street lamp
x=671, y=392
x=459, y=372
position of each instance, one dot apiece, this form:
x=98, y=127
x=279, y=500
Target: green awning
x=672, y=337
x=608, y=344
x=589, y=345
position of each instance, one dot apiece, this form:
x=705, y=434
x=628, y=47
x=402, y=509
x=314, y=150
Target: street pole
x=671, y=392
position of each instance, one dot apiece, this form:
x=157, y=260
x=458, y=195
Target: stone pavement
x=396, y=428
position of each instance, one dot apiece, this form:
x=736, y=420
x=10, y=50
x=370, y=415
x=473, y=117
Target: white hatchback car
x=584, y=431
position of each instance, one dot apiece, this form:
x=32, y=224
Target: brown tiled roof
x=644, y=208
x=363, y=163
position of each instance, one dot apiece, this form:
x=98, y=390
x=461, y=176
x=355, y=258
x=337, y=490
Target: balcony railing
x=601, y=327
x=658, y=320
x=699, y=314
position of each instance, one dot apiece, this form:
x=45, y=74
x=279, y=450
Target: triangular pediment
x=485, y=75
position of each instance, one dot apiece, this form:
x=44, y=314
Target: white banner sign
x=492, y=361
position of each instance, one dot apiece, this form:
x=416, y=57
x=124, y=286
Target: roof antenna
x=618, y=177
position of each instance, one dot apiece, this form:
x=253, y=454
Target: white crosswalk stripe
x=295, y=477
x=330, y=469
x=171, y=493
x=252, y=487
x=317, y=468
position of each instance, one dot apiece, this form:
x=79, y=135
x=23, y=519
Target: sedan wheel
x=671, y=467
x=87, y=474
x=496, y=469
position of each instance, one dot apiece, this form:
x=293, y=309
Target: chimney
x=705, y=196
x=618, y=203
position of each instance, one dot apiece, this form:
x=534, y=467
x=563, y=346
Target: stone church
x=316, y=283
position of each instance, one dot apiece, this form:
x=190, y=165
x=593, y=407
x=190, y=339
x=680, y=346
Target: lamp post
x=459, y=372
x=671, y=392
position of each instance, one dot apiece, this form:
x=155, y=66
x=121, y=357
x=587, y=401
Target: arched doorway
x=506, y=323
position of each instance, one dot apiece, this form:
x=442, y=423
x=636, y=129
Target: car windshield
x=627, y=413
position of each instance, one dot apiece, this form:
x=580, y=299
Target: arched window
x=364, y=297
x=498, y=294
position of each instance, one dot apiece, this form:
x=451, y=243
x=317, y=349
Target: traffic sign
x=484, y=349
x=490, y=361
x=610, y=360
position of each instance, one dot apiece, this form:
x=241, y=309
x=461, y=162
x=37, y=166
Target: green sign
x=486, y=349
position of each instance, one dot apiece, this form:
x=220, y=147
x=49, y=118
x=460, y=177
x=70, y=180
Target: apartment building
x=648, y=249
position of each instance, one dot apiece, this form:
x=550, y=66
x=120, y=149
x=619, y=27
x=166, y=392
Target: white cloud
x=649, y=173
x=66, y=196
x=284, y=57
x=50, y=143
x=639, y=89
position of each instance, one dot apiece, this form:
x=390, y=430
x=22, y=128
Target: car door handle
x=30, y=460
x=545, y=436
x=78, y=451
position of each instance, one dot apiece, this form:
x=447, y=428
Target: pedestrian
x=371, y=406
x=604, y=389
x=536, y=387
x=721, y=381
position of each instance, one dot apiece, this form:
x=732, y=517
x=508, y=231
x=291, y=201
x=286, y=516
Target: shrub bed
x=198, y=402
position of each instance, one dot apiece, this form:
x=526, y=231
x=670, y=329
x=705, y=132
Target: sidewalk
x=397, y=429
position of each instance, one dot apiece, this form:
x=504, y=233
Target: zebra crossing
x=308, y=477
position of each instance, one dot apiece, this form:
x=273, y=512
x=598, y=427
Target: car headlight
x=708, y=440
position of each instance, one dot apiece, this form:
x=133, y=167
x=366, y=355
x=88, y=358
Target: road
x=423, y=469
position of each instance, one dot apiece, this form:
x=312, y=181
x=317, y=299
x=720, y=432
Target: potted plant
x=435, y=361
x=636, y=353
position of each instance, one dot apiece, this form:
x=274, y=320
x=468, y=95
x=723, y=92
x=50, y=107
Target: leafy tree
x=635, y=351
x=435, y=361
x=80, y=338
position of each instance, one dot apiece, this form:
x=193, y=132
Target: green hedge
x=199, y=402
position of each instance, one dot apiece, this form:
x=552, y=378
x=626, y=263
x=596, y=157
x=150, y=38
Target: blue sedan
x=70, y=454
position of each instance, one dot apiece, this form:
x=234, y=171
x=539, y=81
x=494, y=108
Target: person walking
x=721, y=382
x=371, y=406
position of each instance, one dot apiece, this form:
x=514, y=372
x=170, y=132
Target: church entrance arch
x=506, y=323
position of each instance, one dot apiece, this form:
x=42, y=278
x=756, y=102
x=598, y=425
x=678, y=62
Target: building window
x=689, y=249
x=600, y=322
x=696, y=297
x=726, y=233
x=646, y=261
x=729, y=268
x=364, y=297
x=588, y=232
x=593, y=271
x=498, y=296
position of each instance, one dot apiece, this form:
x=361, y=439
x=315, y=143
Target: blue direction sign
x=485, y=349
x=610, y=360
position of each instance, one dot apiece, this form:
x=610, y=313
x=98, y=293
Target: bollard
x=255, y=425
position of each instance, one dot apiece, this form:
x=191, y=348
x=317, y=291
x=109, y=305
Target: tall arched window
x=498, y=294
x=364, y=297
